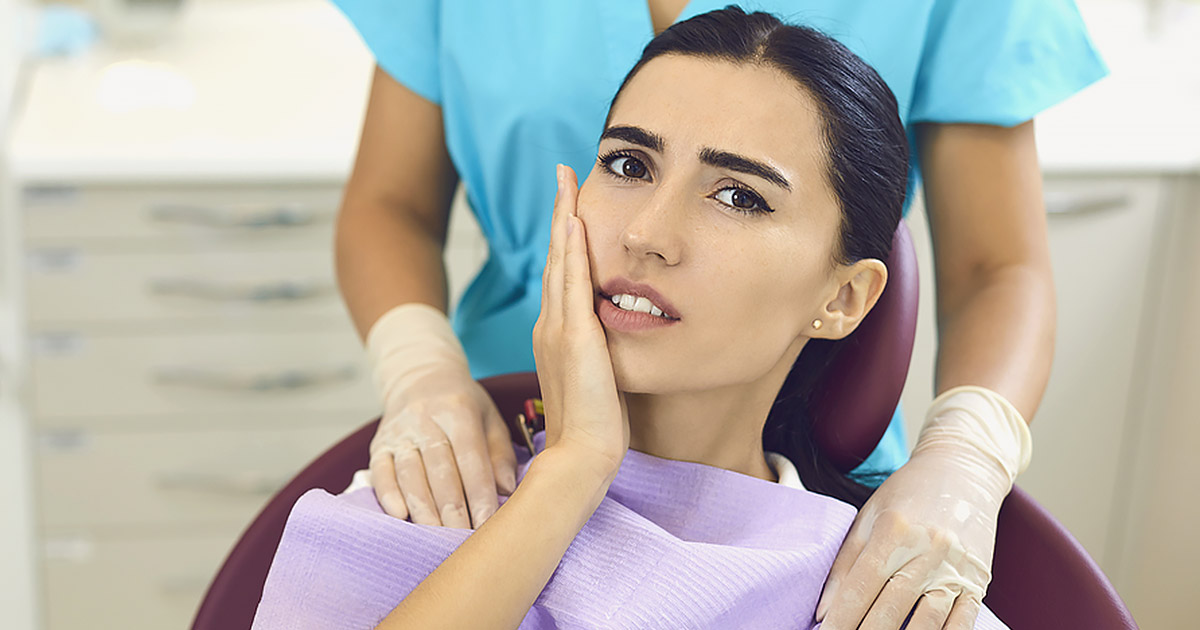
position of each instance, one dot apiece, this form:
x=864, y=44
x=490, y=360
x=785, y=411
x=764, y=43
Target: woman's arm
x=995, y=285
x=493, y=579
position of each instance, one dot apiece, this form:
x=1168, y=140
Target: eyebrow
x=743, y=164
x=710, y=156
x=635, y=135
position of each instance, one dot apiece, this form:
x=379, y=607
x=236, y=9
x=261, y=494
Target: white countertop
x=1145, y=116
x=275, y=89
x=244, y=89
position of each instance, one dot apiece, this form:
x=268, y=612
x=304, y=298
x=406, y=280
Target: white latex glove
x=442, y=453
x=926, y=536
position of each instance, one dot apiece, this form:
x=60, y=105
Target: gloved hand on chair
x=925, y=537
x=431, y=406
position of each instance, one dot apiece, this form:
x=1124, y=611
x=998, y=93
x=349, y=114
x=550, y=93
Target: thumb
x=852, y=547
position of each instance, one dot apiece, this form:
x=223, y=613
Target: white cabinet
x=181, y=349
x=1103, y=235
x=187, y=355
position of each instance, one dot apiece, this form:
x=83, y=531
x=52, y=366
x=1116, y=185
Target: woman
x=495, y=93
x=749, y=180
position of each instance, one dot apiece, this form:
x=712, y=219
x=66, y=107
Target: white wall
x=17, y=582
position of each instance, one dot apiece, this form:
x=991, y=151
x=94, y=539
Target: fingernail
x=558, y=174
x=570, y=224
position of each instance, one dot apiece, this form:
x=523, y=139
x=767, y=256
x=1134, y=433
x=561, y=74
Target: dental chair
x=1042, y=577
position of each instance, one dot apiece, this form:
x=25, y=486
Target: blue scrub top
x=526, y=84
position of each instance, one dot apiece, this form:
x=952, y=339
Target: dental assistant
x=497, y=93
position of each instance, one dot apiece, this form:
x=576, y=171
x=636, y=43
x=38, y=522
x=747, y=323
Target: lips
x=618, y=286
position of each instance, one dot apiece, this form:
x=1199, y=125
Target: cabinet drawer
x=171, y=216
x=185, y=479
x=70, y=287
x=148, y=583
x=269, y=374
x=1103, y=243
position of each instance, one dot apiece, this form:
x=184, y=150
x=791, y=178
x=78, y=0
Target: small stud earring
x=816, y=324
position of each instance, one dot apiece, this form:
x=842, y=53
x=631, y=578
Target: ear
x=857, y=288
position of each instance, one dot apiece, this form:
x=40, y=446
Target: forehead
x=750, y=109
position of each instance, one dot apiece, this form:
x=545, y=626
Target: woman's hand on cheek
x=584, y=410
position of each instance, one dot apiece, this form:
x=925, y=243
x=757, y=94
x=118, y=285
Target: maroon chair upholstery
x=849, y=418
x=1042, y=578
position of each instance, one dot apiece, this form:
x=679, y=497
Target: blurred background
x=172, y=346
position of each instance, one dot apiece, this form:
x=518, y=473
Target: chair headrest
x=853, y=402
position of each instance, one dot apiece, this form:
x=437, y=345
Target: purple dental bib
x=672, y=545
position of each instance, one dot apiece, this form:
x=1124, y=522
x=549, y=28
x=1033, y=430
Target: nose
x=654, y=231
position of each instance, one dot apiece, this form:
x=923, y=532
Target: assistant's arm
x=391, y=228
x=935, y=517
x=442, y=449
x=995, y=285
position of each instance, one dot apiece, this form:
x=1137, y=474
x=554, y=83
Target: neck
x=717, y=427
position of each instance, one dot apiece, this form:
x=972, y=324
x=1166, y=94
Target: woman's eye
x=627, y=166
x=742, y=199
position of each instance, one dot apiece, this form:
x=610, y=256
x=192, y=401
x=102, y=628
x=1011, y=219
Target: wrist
x=409, y=342
x=588, y=470
x=980, y=428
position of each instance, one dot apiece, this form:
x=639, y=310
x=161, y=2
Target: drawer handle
x=244, y=484
x=235, y=217
x=1086, y=204
x=282, y=380
x=273, y=291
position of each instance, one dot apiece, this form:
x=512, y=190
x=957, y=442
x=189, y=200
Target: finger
x=410, y=472
x=500, y=447
x=932, y=610
x=897, y=599
x=475, y=470
x=383, y=481
x=441, y=470
x=552, y=276
x=578, y=296
x=852, y=547
x=578, y=299
x=901, y=592
x=965, y=612
x=865, y=580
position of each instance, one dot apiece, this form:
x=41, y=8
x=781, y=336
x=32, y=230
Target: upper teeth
x=637, y=304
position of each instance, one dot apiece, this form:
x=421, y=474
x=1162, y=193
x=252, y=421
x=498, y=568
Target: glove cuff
x=407, y=342
x=984, y=419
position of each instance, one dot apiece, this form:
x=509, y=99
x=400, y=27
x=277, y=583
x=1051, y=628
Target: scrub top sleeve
x=1001, y=62
x=403, y=37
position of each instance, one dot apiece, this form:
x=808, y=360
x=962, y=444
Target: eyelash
x=606, y=160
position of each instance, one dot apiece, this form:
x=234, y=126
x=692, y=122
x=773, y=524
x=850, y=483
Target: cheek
x=749, y=301
x=764, y=295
